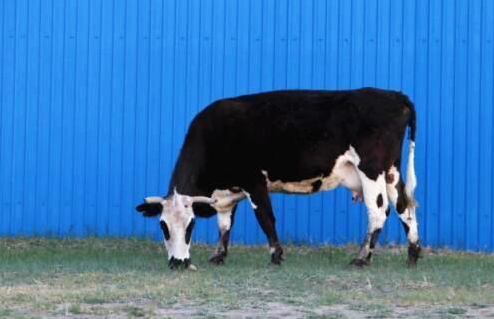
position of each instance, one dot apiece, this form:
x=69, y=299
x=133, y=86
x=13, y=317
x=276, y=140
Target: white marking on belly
x=343, y=173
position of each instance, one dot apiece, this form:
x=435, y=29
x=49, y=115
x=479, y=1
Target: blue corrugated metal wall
x=96, y=97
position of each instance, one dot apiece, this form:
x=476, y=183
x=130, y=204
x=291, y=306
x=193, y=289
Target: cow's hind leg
x=406, y=211
x=261, y=203
x=376, y=200
x=225, y=223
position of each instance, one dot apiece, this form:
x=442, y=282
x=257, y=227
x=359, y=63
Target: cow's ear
x=151, y=206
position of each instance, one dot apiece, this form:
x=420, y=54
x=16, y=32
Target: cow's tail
x=411, y=181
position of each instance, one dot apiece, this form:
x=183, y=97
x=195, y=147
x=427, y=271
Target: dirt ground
x=286, y=311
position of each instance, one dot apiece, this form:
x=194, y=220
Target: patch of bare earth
x=272, y=310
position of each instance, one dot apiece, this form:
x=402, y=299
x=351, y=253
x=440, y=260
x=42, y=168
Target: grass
x=123, y=278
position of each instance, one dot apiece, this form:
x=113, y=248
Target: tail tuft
x=411, y=182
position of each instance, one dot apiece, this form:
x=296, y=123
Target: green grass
x=129, y=278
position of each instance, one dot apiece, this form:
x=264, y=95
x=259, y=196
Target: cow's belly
x=304, y=186
x=343, y=173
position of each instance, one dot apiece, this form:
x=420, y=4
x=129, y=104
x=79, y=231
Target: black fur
x=406, y=227
x=277, y=256
x=316, y=185
x=402, y=202
x=379, y=200
x=218, y=258
x=373, y=239
x=188, y=230
x=293, y=135
x=414, y=253
x=165, y=230
x=149, y=210
x=359, y=263
x=175, y=263
x=368, y=259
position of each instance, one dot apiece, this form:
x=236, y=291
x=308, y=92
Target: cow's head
x=177, y=222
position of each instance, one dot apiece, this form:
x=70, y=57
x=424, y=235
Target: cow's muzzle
x=175, y=263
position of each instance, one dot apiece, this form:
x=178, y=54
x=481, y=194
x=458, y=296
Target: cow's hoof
x=359, y=263
x=218, y=258
x=414, y=253
x=277, y=256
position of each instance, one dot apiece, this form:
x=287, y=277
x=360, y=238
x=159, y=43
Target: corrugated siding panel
x=96, y=97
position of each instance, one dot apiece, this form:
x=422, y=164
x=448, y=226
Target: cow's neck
x=185, y=175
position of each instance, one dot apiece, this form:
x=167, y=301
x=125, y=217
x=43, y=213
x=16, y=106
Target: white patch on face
x=177, y=214
x=344, y=172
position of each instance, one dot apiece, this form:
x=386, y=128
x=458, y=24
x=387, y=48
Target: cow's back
x=293, y=135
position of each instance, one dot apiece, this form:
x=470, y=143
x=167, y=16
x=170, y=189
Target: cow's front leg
x=261, y=203
x=376, y=200
x=225, y=223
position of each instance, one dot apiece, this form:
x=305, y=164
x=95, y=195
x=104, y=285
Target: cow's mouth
x=175, y=263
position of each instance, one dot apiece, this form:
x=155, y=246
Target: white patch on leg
x=372, y=189
x=224, y=221
x=376, y=215
x=254, y=206
x=272, y=250
x=226, y=200
x=391, y=187
x=409, y=218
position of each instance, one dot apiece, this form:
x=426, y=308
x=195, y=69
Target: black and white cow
x=295, y=141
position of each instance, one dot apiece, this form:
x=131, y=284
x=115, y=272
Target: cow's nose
x=175, y=263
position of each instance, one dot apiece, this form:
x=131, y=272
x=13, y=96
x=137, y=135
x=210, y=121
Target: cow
x=296, y=142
